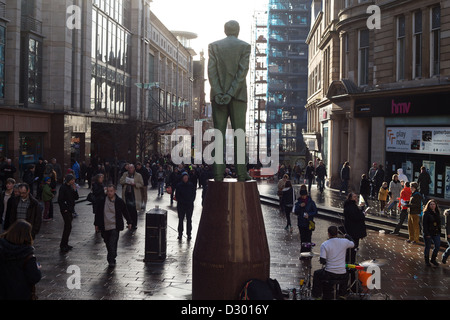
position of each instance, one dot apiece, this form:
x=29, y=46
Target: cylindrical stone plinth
x=231, y=244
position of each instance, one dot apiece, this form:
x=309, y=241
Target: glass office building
x=288, y=27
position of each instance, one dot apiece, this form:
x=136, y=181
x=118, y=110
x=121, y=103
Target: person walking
x=132, y=183
x=288, y=200
x=424, y=181
x=395, y=187
x=415, y=210
x=305, y=210
x=26, y=207
x=67, y=196
x=280, y=187
x=364, y=189
x=161, y=179
x=354, y=222
x=174, y=180
x=5, y=196
x=379, y=178
x=142, y=170
x=47, y=197
x=185, y=194
x=19, y=270
x=447, y=233
x=431, y=231
x=383, y=194
x=321, y=174
x=109, y=215
x=345, y=177
x=372, y=172
x=98, y=190
x=405, y=197
x=309, y=175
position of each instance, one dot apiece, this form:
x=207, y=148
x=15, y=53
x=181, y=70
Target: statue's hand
x=222, y=99
x=219, y=99
x=226, y=99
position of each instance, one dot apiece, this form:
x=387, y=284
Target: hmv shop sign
x=403, y=106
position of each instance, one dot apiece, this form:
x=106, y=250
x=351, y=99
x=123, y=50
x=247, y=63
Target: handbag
x=312, y=226
x=90, y=197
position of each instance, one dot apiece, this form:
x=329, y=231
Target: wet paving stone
x=404, y=277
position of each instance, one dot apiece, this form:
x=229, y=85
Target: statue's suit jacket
x=228, y=66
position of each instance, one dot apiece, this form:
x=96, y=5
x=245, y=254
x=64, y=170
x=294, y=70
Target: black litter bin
x=155, y=235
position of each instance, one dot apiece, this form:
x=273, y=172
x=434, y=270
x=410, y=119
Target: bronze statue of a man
x=228, y=66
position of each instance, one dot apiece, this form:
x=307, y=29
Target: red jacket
x=405, y=195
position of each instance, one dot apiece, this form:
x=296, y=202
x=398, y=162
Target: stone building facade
x=79, y=79
x=381, y=93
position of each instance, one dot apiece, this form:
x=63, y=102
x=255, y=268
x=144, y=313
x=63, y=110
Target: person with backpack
x=415, y=210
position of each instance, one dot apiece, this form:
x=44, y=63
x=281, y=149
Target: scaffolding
x=288, y=24
x=258, y=82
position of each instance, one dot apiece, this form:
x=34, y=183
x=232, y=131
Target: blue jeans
x=161, y=187
x=447, y=252
x=437, y=243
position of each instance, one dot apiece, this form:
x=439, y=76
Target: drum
x=364, y=276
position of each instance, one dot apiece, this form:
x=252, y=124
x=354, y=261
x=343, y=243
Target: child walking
x=382, y=197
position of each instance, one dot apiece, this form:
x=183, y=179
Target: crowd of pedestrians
x=397, y=198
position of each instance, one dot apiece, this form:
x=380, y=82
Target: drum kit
x=359, y=285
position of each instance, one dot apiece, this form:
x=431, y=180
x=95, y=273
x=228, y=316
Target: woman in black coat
x=19, y=270
x=288, y=200
x=354, y=222
x=98, y=190
x=431, y=231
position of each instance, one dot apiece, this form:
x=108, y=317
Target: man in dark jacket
x=424, y=181
x=67, y=196
x=185, y=193
x=174, y=180
x=321, y=174
x=26, y=207
x=109, y=216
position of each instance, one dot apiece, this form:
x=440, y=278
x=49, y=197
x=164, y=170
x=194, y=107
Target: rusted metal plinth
x=231, y=245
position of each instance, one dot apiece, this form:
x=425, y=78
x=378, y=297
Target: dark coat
x=18, y=271
x=431, y=223
x=364, y=187
x=310, y=172
x=310, y=208
x=66, y=198
x=34, y=214
x=354, y=222
x=415, y=204
x=424, y=181
x=185, y=193
x=345, y=173
x=288, y=197
x=121, y=212
x=321, y=172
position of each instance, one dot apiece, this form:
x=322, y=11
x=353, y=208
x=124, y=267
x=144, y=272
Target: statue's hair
x=232, y=28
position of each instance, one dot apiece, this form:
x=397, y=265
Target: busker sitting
x=332, y=256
